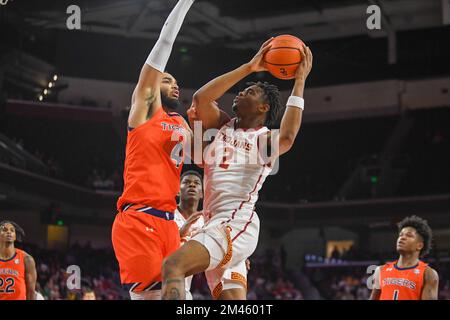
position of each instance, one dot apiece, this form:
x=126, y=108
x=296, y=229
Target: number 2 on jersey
x=9, y=284
x=228, y=154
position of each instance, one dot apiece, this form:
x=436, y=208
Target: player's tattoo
x=150, y=100
x=175, y=287
x=174, y=294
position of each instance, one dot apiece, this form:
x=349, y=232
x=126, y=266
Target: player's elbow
x=197, y=98
x=201, y=98
x=286, y=142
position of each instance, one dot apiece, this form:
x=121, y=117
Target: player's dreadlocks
x=272, y=98
x=422, y=228
x=20, y=234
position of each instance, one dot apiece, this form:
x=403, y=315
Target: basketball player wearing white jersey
x=187, y=217
x=232, y=181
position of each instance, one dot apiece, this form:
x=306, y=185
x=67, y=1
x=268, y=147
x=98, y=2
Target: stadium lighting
x=55, y=77
x=50, y=84
x=45, y=91
x=41, y=98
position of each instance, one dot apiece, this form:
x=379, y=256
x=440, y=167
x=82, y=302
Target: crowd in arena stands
x=267, y=280
x=99, y=271
x=55, y=169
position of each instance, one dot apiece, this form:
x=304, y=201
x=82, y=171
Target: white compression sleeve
x=160, y=54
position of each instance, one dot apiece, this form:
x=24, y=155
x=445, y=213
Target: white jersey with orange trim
x=180, y=221
x=234, y=171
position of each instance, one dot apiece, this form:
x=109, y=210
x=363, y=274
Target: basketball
x=283, y=59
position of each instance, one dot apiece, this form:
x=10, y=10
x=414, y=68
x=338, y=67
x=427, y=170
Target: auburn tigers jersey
x=12, y=277
x=153, y=163
x=401, y=283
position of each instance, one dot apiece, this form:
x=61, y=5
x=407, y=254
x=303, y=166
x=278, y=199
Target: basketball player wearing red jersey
x=144, y=231
x=231, y=230
x=408, y=278
x=17, y=268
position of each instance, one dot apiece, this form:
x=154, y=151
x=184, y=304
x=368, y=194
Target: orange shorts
x=141, y=241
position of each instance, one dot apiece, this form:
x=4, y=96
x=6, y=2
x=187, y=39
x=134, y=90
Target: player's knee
x=171, y=267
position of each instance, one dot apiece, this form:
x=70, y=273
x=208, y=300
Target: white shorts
x=230, y=238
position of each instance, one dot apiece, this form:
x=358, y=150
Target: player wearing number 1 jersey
x=408, y=278
x=144, y=231
x=17, y=268
x=235, y=167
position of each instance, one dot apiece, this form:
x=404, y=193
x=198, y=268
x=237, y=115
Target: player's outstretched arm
x=204, y=99
x=292, y=118
x=431, y=285
x=30, y=277
x=146, y=99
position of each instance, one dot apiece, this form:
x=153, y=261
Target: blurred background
x=374, y=146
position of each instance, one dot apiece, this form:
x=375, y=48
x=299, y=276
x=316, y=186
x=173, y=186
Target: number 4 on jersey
x=177, y=154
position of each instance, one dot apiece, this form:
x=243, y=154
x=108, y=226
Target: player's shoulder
x=228, y=124
x=388, y=265
x=430, y=273
x=28, y=258
x=174, y=115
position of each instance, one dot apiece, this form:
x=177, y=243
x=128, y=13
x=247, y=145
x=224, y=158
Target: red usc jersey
x=153, y=163
x=402, y=283
x=12, y=277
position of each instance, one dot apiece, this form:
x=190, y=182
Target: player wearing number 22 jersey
x=17, y=268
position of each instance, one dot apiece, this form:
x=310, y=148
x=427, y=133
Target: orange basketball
x=283, y=58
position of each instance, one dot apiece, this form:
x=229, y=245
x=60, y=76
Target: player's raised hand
x=186, y=228
x=192, y=116
x=306, y=65
x=257, y=63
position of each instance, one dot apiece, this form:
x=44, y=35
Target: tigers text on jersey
x=401, y=283
x=153, y=163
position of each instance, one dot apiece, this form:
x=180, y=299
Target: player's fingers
x=266, y=48
x=303, y=54
x=310, y=55
x=267, y=42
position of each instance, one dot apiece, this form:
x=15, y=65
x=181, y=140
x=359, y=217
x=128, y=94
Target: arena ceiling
x=236, y=24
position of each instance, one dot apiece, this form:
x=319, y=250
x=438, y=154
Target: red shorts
x=141, y=241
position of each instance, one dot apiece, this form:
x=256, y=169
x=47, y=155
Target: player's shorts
x=142, y=237
x=231, y=238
